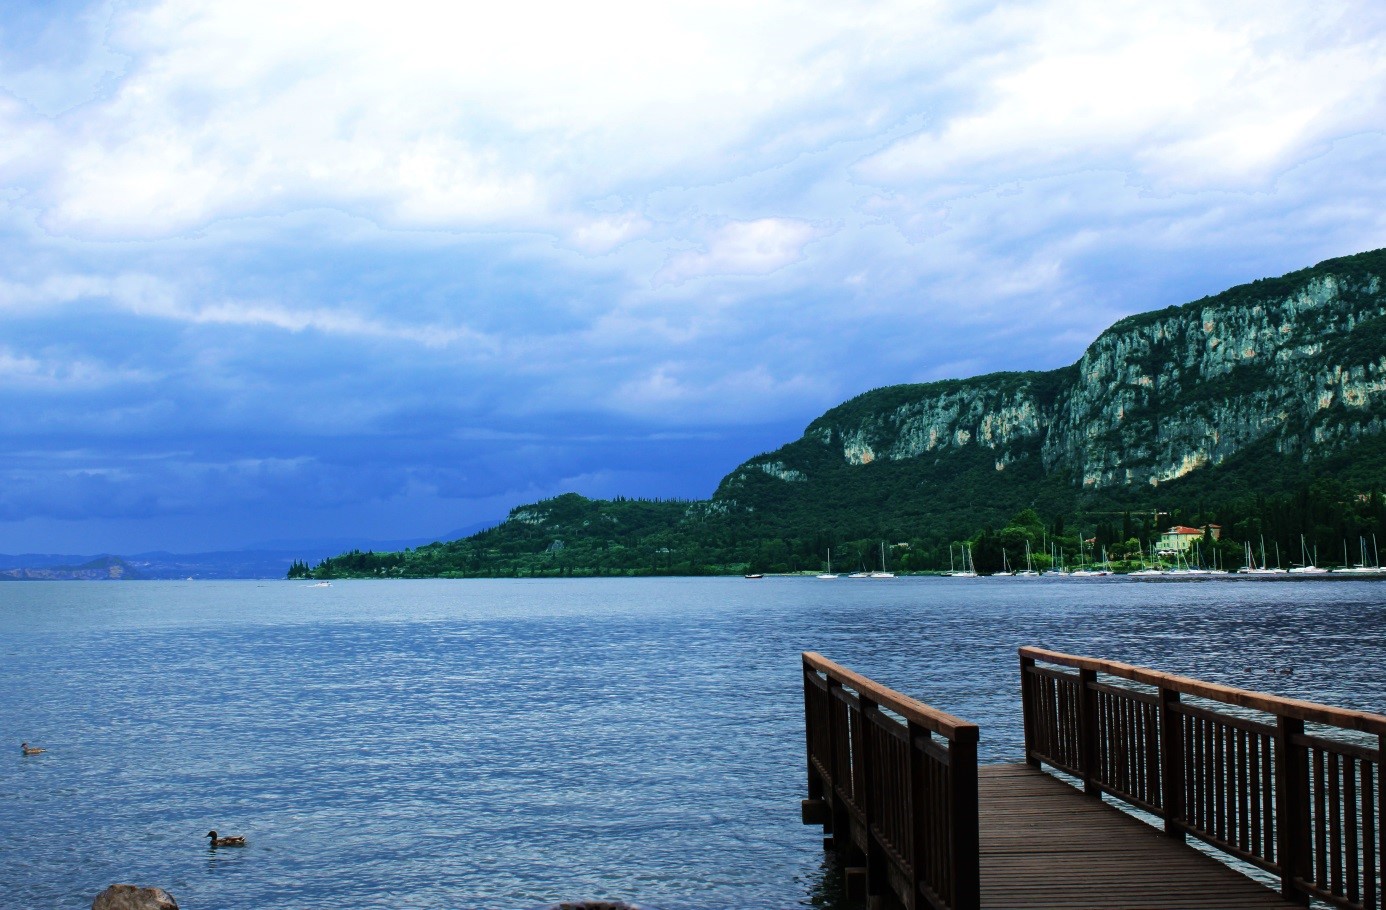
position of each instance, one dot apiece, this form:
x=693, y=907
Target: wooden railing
x=1307, y=808
x=893, y=796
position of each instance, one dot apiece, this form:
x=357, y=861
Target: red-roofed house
x=1179, y=538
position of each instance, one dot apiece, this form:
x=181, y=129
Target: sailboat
x=1252, y=569
x=1306, y=567
x=1361, y=568
x=829, y=573
x=1029, y=570
x=1148, y=570
x=967, y=570
x=883, y=573
x=1056, y=563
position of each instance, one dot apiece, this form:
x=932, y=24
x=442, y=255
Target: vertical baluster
x=1351, y=820
x=1320, y=820
x=1193, y=769
x=1371, y=867
x=1335, y=824
x=1268, y=799
x=1154, y=776
x=1255, y=795
x=1243, y=795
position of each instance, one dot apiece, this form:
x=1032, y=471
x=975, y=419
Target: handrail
x=913, y=710
x=1312, y=712
x=898, y=797
x=1308, y=808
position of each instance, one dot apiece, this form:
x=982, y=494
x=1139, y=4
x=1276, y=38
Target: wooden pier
x=896, y=785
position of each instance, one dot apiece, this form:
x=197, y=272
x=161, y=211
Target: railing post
x=919, y=831
x=876, y=882
x=1027, y=708
x=1087, y=730
x=1171, y=763
x=964, y=837
x=1291, y=808
x=837, y=812
x=1381, y=815
x=815, y=783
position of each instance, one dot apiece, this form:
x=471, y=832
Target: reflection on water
x=513, y=744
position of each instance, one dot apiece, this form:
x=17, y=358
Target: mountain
x=61, y=568
x=1272, y=389
x=270, y=559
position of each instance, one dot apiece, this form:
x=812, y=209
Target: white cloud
x=743, y=248
x=55, y=372
x=1183, y=96
x=154, y=297
x=681, y=393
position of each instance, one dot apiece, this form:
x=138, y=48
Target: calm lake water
x=511, y=744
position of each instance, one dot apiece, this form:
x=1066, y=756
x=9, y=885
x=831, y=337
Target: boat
x=1005, y=567
x=829, y=573
x=1361, y=568
x=1151, y=570
x=1056, y=563
x=1029, y=570
x=1252, y=569
x=883, y=573
x=1307, y=567
x=754, y=575
x=967, y=571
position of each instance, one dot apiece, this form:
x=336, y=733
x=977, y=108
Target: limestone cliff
x=1295, y=364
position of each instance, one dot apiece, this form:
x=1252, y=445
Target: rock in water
x=134, y=897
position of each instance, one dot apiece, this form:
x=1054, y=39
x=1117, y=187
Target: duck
x=30, y=750
x=235, y=841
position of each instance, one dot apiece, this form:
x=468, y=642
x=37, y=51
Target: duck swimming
x=30, y=750
x=237, y=841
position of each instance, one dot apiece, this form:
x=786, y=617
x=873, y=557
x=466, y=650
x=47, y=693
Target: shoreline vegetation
x=572, y=536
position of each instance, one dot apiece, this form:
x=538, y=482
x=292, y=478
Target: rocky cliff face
x=1297, y=362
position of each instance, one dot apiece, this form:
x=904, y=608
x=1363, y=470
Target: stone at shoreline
x=134, y=897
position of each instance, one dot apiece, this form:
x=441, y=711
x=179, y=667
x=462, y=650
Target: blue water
x=511, y=744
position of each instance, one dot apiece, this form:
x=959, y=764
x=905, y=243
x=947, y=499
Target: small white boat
x=883, y=573
x=829, y=573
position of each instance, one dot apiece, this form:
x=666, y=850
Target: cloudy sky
x=300, y=269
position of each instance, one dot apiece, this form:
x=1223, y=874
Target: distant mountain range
x=268, y=559
x=1260, y=408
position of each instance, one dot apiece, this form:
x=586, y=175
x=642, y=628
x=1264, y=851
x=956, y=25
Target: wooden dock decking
x=1104, y=858
x=918, y=823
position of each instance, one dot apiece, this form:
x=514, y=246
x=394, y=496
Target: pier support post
x=1087, y=731
x=1291, y=808
x=1172, y=763
x=1027, y=708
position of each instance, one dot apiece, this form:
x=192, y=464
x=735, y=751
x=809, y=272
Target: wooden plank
x=1044, y=844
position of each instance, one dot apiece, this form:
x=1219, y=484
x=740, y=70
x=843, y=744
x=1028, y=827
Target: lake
x=511, y=744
